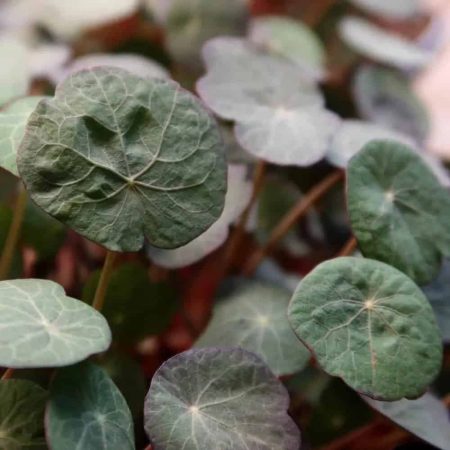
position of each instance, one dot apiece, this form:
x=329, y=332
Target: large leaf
x=42, y=327
x=252, y=315
x=278, y=111
x=119, y=158
x=426, y=417
x=291, y=39
x=22, y=405
x=212, y=398
x=381, y=45
x=87, y=411
x=384, y=96
x=237, y=197
x=12, y=128
x=134, y=306
x=398, y=210
x=397, y=9
x=369, y=324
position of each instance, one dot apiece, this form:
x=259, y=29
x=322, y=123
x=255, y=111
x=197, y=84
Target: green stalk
x=103, y=283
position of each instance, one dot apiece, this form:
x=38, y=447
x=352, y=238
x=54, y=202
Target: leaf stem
x=13, y=233
x=291, y=218
x=103, y=283
x=7, y=374
x=349, y=247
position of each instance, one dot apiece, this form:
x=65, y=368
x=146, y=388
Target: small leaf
x=369, y=324
x=237, y=197
x=426, y=417
x=384, y=96
x=13, y=119
x=22, y=406
x=212, y=398
x=119, y=158
x=252, y=316
x=398, y=210
x=396, y=10
x=87, y=411
x=382, y=46
x=42, y=327
x=279, y=112
x=134, y=307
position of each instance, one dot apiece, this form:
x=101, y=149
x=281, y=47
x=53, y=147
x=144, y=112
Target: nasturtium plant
x=86, y=410
x=369, y=324
x=119, y=158
x=252, y=316
x=398, y=210
x=42, y=327
x=22, y=415
x=218, y=398
x=397, y=10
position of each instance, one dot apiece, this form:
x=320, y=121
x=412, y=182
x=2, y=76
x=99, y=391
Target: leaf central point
x=369, y=304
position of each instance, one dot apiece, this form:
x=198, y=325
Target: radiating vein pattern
x=41, y=327
x=223, y=399
x=369, y=324
x=118, y=158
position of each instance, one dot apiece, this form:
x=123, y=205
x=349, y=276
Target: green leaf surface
x=134, y=307
x=279, y=112
x=218, y=398
x=398, y=210
x=252, y=316
x=389, y=9
x=22, y=406
x=42, y=327
x=385, y=97
x=369, y=324
x=87, y=411
x=382, y=46
x=425, y=417
x=119, y=158
x=13, y=119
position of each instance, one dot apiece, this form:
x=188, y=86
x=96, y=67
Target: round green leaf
x=134, y=307
x=426, y=417
x=278, y=111
x=385, y=97
x=292, y=39
x=398, y=210
x=119, y=158
x=22, y=406
x=369, y=324
x=42, y=327
x=13, y=119
x=253, y=316
x=397, y=9
x=87, y=411
x=218, y=398
x=382, y=46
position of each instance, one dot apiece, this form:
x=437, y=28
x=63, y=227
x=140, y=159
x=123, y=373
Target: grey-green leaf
x=252, y=315
x=87, y=411
x=22, y=405
x=397, y=9
x=398, y=210
x=119, y=158
x=13, y=119
x=218, y=398
x=369, y=324
x=42, y=327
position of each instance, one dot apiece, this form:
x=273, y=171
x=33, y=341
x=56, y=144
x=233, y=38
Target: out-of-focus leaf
x=213, y=398
x=382, y=46
x=370, y=325
x=269, y=271
x=134, y=307
x=253, y=316
x=391, y=9
x=119, y=158
x=398, y=210
x=237, y=197
x=426, y=417
x=47, y=60
x=279, y=113
x=86, y=410
x=42, y=327
x=22, y=406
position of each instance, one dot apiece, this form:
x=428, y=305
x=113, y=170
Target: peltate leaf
x=212, y=398
x=118, y=157
x=369, y=324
